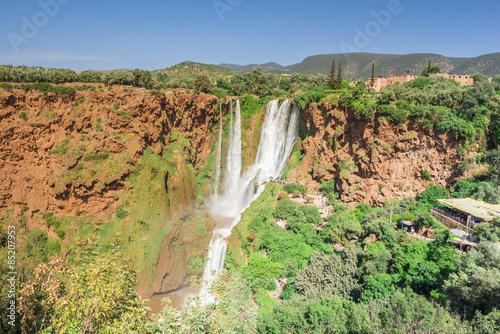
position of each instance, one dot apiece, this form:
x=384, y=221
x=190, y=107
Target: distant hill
x=192, y=69
x=268, y=67
x=488, y=64
x=359, y=65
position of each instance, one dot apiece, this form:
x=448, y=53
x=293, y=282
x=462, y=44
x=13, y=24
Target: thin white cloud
x=37, y=57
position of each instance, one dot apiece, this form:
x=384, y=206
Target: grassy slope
x=147, y=216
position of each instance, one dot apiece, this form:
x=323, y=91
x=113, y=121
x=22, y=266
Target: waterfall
x=219, y=155
x=233, y=164
x=278, y=136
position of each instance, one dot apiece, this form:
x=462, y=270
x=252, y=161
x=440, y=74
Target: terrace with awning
x=465, y=212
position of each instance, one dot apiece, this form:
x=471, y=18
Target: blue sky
x=114, y=34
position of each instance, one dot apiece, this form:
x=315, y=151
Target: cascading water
x=233, y=165
x=278, y=136
x=219, y=155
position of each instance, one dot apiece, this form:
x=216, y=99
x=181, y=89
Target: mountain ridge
x=358, y=65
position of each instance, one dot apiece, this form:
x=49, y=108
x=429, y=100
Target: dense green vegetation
x=24, y=74
x=468, y=113
x=351, y=272
x=383, y=282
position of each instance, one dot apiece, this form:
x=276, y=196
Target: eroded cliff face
x=127, y=160
x=127, y=171
x=374, y=160
x=37, y=153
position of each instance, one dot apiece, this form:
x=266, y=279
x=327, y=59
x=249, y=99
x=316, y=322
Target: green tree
x=493, y=159
x=488, y=231
x=259, y=266
x=328, y=189
x=476, y=284
x=414, y=269
x=383, y=229
x=407, y=312
x=331, y=81
x=203, y=83
x=372, y=83
x=464, y=188
x=328, y=276
x=325, y=315
x=338, y=82
x=487, y=192
x=231, y=312
x=376, y=260
x=100, y=297
x=377, y=287
x=39, y=294
x=428, y=198
x=285, y=209
x=430, y=69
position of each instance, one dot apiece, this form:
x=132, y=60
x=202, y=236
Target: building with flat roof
x=465, y=212
x=381, y=82
x=463, y=80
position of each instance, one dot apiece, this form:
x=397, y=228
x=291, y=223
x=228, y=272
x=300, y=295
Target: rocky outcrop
x=43, y=138
x=99, y=153
x=123, y=159
x=373, y=160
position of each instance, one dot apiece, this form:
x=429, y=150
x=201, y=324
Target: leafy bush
x=43, y=87
x=259, y=266
x=363, y=106
x=40, y=246
x=286, y=209
x=310, y=214
x=292, y=187
x=61, y=148
x=313, y=95
x=493, y=159
x=23, y=115
x=377, y=287
x=488, y=231
x=252, y=106
x=6, y=86
x=221, y=93
x=60, y=233
x=328, y=188
x=487, y=192
x=282, y=195
x=203, y=83
x=90, y=156
x=464, y=188
x=426, y=174
x=393, y=113
x=328, y=276
x=63, y=92
x=155, y=92
x=121, y=212
x=428, y=198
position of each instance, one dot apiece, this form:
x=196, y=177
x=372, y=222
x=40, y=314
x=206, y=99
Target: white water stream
x=278, y=136
x=219, y=155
